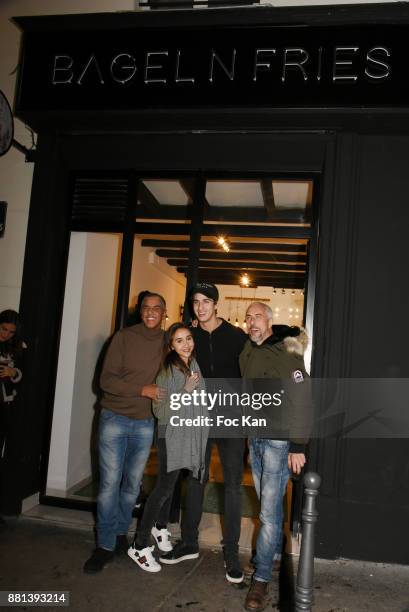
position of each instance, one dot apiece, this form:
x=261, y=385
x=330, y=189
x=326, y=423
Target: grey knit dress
x=185, y=444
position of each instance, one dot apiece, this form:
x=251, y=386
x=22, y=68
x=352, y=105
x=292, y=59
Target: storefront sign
x=270, y=66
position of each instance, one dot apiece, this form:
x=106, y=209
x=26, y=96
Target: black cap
x=207, y=289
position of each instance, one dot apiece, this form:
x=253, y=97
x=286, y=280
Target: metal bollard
x=304, y=594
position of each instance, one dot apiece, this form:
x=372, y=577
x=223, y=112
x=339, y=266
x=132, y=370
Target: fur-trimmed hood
x=294, y=339
x=297, y=344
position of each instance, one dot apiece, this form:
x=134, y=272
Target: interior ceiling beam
x=233, y=256
x=188, y=186
x=222, y=214
x=268, y=198
x=267, y=281
x=297, y=269
x=256, y=247
x=212, y=231
x=255, y=213
x=148, y=200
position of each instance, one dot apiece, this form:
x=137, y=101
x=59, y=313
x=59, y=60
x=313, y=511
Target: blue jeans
x=269, y=464
x=124, y=447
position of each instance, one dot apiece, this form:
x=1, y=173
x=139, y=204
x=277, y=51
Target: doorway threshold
x=210, y=526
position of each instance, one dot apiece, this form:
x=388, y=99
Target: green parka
x=278, y=358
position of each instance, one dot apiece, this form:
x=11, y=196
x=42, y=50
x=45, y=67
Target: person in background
x=11, y=372
x=179, y=447
x=126, y=426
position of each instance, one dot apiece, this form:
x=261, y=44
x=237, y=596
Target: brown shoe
x=257, y=597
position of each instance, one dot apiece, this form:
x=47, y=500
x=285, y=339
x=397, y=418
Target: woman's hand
x=192, y=382
x=7, y=372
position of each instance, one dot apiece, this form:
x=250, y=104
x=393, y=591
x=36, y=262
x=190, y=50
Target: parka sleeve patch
x=297, y=376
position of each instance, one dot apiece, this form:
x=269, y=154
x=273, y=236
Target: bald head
x=259, y=321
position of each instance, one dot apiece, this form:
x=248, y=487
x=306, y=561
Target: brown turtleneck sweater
x=132, y=361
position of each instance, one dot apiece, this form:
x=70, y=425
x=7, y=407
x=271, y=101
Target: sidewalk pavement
x=35, y=555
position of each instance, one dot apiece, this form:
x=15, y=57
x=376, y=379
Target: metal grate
x=100, y=199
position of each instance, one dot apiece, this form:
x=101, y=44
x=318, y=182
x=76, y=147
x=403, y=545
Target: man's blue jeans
x=124, y=447
x=269, y=464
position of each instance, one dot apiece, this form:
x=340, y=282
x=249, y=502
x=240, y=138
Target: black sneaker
x=180, y=552
x=98, y=560
x=234, y=572
x=122, y=544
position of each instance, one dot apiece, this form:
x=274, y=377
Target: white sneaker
x=162, y=539
x=144, y=558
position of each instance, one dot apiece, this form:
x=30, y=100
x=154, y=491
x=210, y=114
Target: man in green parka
x=274, y=353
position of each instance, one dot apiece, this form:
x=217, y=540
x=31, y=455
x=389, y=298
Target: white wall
x=92, y=278
x=59, y=448
x=152, y=273
x=287, y=308
x=15, y=174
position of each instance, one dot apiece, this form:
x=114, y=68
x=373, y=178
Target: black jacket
x=217, y=353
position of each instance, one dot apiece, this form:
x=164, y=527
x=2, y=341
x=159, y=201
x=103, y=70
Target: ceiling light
x=245, y=280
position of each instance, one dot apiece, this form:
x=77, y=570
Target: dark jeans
x=231, y=452
x=158, y=505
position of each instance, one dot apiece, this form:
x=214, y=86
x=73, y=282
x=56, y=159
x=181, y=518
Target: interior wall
x=92, y=276
x=152, y=273
x=64, y=389
x=95, y=326
x=287, y=307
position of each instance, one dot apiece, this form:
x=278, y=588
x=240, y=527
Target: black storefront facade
x=224, y=93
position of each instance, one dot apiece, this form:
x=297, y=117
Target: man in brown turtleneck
x=126, y=426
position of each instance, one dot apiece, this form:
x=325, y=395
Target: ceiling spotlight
x=244, y=280
x=274, y=291
x=293, y=292
x=221, y=240
x=237, y=323
x=282, y=291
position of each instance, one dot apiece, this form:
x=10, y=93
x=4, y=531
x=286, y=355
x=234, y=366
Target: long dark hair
x=171, y=358
x=15, y=344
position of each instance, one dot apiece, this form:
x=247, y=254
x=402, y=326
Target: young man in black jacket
x=218, y=345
